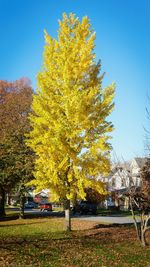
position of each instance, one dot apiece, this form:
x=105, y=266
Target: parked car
x=85, y=207
x=30, y=205
x=46, y=206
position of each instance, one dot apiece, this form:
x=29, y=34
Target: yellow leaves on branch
x=70, y=131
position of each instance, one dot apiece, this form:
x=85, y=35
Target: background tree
x=94, y=196
x=16, y=159
x=70, y=134
x=140, y=197
x=140, y=201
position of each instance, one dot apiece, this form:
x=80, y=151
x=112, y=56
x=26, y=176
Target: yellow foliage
x=70, y=131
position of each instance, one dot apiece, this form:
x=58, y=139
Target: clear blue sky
x=122, y=44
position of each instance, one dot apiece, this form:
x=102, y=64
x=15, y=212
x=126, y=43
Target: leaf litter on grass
x=87, y=245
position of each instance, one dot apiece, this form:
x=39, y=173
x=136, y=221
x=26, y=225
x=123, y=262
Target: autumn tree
x=93, y=196
x=16, y=159
x=70, y=133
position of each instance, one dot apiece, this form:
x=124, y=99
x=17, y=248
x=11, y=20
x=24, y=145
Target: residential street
x=101, y=219
x=107, y=219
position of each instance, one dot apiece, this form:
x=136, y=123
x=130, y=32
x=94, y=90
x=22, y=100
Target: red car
x=46, y=206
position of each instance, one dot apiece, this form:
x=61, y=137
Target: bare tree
x=139, y=199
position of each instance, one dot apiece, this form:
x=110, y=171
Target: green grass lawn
x=43, y=242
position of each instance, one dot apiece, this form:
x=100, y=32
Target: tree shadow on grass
x=9, y=218
x=44, y=215
x=33, y=216
x=20, y=224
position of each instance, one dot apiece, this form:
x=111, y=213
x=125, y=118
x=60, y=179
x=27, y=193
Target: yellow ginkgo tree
x=70, y=131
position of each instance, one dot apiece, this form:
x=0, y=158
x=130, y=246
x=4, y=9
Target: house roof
x=128, y=164
x=120, y=166
x=140, y=162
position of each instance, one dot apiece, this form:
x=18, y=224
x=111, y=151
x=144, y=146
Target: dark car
x=85, y=207
x=30, y=205
x=46, y=206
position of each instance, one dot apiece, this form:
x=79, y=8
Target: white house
x=120, y=179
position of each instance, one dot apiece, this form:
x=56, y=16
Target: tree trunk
x=143, y=241
x=138, y=232
x=147, y=236
x=22, y=201
x=67, y=216
x=2, y=202
x=143, y=229
x=9, y=199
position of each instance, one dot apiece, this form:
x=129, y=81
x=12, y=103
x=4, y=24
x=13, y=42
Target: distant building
x=122, y=176
x=43, y=195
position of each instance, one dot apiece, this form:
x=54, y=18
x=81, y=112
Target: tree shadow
x=20, y=224
x=33, y=215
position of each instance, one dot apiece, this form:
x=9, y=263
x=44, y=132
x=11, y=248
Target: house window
x=113, y=182
x=122, y=182
x=138, y=181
